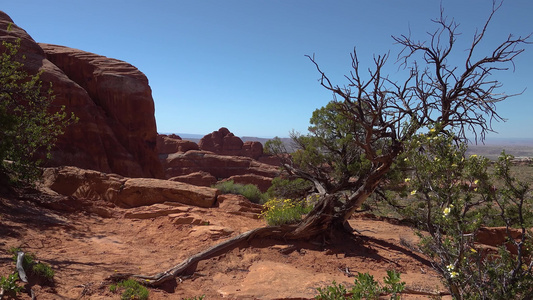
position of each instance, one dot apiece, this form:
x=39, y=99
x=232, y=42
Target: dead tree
x=387, y=114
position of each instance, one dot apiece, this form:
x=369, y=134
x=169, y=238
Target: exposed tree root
x=323, y=224
x=191, y=262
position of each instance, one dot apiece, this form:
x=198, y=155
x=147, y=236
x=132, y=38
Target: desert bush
x=289, y=188
x=131, y=290
x=278, y=211
x=454, y=196
x=365, y=287
x=250, y=191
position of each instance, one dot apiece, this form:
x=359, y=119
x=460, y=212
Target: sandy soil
x=84, y=248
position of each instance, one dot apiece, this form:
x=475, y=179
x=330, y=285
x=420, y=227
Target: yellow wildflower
x=413, y=192
x=407, y=179
x=453, y=274
x=450, y=267
x=447, y=211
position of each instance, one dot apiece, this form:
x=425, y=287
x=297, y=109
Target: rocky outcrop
x=167, y=144
x=124, y=191
x=220, y=166
x=223, y=142
x=116, y=132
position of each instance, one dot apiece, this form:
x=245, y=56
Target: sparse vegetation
x=365, y=287
x=39, y=269
x=131, y=290
x=195, y=298
x=250, y=191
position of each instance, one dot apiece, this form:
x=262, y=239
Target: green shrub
x=44, y=271
x=454, y=197
x=250, y=191
x=9, y=285
x=284, y=211
x=365, y=287
x=287, y=188
x=132, y=290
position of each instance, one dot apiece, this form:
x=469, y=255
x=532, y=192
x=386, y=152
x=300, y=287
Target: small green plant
x=9, y=285
x=284, y=211
x=250, y=191
x=44, y=271
x=27, y=261
x=131, y=290
x=195, y=298
x=365, y=287
x=39, y=269
x=332, y=292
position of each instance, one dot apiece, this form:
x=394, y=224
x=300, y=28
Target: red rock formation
x=116, y=131
x=123, y=191
x=223, y=142
x=167, y=144
x=220, y=166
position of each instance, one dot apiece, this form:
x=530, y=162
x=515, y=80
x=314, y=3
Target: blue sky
x=241, y=63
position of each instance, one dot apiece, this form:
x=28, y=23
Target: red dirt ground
x=84, y=248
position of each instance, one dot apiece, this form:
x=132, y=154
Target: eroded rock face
x=124, y=191
x=116, y=132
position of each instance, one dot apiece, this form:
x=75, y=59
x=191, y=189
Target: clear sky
x=241, y=63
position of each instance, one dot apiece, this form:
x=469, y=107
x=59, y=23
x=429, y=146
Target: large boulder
x=116, y=132
x=147, y=191
x=124, y=191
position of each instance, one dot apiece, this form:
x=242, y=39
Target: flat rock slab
x=154, y=211
x=286, y=281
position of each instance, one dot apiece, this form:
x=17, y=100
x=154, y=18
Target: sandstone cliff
x=116, y=132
